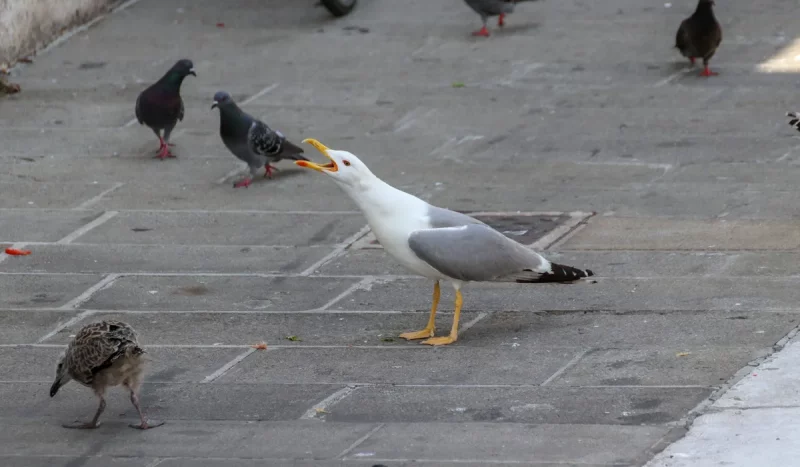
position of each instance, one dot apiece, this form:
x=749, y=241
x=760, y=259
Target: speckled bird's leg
x=431, y=326
x=144, y=424
x=93, y=424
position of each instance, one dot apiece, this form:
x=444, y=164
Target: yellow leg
x=428, y=331
x=454, y=331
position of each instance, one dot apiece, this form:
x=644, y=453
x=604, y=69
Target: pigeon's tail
x=794, y=120
x=557, y=273
x=290, y=151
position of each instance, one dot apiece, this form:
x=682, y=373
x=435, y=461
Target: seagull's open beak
x=214, y=105
x=191, y=72
x=329, y=167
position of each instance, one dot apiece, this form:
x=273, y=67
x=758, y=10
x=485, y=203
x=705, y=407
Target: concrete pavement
x=578, y=131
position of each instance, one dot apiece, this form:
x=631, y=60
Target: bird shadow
x=516, y=28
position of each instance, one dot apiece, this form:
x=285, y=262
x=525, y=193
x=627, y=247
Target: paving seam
x=100, y=220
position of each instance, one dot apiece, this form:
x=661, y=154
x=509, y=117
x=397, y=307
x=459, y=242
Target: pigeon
x=160, y=106
x=487, y=8
x=699, y=35
x=251, y=140
x=794, y=120
x=103, y=355
x=437, y=243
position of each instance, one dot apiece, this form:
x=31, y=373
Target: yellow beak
x=329, y=167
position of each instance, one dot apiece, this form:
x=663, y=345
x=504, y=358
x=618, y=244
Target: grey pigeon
x=251, y=140
x=160, y=106
x=794, y=120
x=103, y=355
x=699, y=35
x=487, y=8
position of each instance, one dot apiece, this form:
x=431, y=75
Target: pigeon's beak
x=55, y=387
x=214, y=105
x=329, y=167
x=191, y=72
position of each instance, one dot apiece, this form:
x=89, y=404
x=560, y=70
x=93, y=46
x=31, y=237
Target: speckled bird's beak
x=329, y=167
x=214, y=105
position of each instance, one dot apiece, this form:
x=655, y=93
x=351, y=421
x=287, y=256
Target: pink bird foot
x=481, y=32
x=244, y=183
x=691, y=60
x=707, y=72
x=501, y=20
x=163, y=150
x=268, y=171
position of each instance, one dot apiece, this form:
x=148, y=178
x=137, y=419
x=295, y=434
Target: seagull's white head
x=344, y=167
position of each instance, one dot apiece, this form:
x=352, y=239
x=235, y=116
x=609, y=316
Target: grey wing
x=476, y=252
x=262, y=140
x=440, y=217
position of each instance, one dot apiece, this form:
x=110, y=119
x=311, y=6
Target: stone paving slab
x=34, y=194
x=171, y=365
x=401, y=365
x=606, y=406
x=42, y=291
x=226, y=293
x=662, y=367
x=244, y=329
x=224, y=228
x=40, y=225
x=607, y=294
x=174, y=402
x=672, y=330
x=612, y=233
x=27, y=328
x=219, y=259
x=65, y=461
x=188, y=439
x=498, y=442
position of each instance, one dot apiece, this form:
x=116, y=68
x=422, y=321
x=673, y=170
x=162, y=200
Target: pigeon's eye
x=346, y=162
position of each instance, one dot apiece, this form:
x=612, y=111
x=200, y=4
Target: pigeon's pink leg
x=244, y=183
x=163, y=150
x=268, y=171
x=501, y=20
x=691, y=60
x=482, y=32
x=707, y=72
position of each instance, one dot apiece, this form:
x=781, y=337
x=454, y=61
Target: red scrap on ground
x=16, y=252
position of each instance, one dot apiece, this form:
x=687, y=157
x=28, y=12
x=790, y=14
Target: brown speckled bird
x=104, y=355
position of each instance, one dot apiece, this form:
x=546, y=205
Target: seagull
x=102, y=355
x=436, y=243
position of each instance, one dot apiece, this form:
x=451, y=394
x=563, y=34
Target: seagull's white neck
x=377, y=199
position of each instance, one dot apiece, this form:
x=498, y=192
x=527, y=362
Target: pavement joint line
x=360, y=441
x=324, y=404
x=487, y=462
x=566, y=367
x=788, y=153
x=70, y=322
x=567, y=236
x=386, y=277
x=105, y=282
x=466, y=326
x=552, y=237
x=227, y=367
x=156, y=461
x=106, y=216
x=259, y=94
x=363, y=284
x=337, y=251
x=18, y=246
x=669, y=79
x=96, y=199
x=231, y=173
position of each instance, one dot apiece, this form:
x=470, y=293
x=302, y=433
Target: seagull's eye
x=346, y=162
